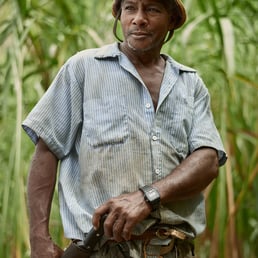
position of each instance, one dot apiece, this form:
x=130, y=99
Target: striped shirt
x=98, y=118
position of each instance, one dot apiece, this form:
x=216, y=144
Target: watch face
x=152, y=195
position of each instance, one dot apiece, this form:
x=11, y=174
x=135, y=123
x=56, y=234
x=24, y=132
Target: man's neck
x=142, y=58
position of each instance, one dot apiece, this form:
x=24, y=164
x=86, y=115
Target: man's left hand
x=123, y=213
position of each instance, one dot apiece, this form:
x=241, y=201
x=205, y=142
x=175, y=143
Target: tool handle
x=94, y=236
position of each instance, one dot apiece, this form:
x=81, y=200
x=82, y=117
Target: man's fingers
x=101, y=211
x=95, y=221
x=118, y=228
x=128, y=227
x=109, y=224
x=123, y=213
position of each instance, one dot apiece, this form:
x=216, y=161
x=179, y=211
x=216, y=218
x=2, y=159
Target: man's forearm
x=191, y=177
x=41, y=185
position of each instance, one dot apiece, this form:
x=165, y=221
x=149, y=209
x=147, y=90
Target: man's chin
x=140, y=48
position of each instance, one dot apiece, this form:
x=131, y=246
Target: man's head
x=174, y=7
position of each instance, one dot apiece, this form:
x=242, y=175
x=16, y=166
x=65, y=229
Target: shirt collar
x=178, y=66
x=113, y=51
x=108, y=51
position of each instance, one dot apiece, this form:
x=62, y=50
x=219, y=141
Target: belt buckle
x=177, y=234
x=171, y=232
x=161, y=233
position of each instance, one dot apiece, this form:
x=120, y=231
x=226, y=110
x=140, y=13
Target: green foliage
x=219, y=40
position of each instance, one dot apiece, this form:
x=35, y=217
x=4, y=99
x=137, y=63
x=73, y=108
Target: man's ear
x=172, y=23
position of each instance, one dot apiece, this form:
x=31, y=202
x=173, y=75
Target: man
x=136, y=141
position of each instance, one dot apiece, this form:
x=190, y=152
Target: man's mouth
x=139, y=34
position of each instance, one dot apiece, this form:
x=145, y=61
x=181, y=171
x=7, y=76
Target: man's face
x=145, y=24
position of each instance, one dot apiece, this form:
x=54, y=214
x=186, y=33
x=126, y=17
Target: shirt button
x=154, y=138
x=157, y=171
x=148, y=105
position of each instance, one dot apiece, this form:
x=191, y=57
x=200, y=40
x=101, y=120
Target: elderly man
x=136, y=142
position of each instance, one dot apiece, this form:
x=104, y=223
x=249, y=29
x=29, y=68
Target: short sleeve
x=203, y=131
x=57, y=116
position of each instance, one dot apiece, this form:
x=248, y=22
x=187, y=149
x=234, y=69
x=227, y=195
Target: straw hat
x=179, y=14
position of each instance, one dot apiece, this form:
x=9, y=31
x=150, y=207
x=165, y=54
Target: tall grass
x=230, y=55
x=219, y=40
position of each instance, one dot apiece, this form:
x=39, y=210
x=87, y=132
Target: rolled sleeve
x=203, y=131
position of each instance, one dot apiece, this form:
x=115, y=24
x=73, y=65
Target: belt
x=161, y=233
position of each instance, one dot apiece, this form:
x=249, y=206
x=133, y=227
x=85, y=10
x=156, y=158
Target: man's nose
x=140, y=18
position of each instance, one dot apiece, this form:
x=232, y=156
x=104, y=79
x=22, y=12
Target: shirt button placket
x=156, y=155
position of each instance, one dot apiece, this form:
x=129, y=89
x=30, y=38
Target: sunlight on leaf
x=229, y=44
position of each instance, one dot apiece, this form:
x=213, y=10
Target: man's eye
x=153, y=10
x=129, y=8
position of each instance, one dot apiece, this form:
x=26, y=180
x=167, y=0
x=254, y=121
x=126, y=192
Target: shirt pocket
x=179, y=123
x=105, y=121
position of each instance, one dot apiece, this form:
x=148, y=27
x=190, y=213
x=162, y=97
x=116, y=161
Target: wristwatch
x=151, y=196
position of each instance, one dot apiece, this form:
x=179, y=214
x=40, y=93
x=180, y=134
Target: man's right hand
x=45, y=248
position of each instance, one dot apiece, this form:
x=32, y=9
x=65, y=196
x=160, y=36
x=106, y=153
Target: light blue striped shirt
x=98, y=118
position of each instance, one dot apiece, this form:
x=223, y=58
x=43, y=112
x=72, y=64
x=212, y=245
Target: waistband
x=167, y=238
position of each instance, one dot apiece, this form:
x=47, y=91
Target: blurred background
x=219, y=40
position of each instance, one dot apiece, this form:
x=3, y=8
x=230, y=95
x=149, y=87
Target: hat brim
x=181, y=12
